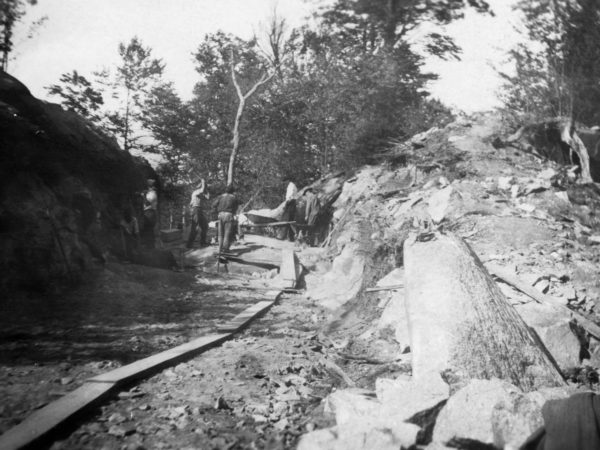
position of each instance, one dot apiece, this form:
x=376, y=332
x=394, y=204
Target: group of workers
x=302, y=209
x=225, y=208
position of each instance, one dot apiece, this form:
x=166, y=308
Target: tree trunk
x=126, y=135
x=460, y=323
x=235, y=141
x=569, y=135
x=238, y=116
x=551, y=147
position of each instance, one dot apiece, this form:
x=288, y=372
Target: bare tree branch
x=234, y=78
x=235, y=141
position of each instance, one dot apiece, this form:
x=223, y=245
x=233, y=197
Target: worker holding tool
x=198, y=216
x=226, y=206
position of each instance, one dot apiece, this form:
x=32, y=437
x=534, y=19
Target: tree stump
x=460, y=323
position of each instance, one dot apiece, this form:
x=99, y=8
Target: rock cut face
x=63, y=187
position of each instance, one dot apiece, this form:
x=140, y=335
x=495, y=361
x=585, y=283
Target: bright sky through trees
x=84, y=35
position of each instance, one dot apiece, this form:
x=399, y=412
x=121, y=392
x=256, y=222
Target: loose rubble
x=515, y=211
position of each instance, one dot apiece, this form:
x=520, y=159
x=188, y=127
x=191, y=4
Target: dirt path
x=260, y=390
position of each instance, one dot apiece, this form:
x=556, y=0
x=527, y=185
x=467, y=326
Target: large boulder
x=343, y=282
x=391, y=418
x=362, y=423
x=439, y=204
x=404, y=399
x=349, y=270
x=467, y=416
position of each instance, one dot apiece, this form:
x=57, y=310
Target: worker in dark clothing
x=226, y=207
x=569, y=423
x=313, y=208
x=130, y=234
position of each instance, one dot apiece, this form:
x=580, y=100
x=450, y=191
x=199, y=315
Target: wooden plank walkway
x=151, y=364
x=266, y=241
x=41, y=424
x=262, y=263
x=242, y=319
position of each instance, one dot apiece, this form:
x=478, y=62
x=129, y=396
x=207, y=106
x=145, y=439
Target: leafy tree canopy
x=558, y=74
x=11, y=12
x=337, y=94
x=78, y=94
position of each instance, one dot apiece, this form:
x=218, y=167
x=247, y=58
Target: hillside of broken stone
x=526, y=215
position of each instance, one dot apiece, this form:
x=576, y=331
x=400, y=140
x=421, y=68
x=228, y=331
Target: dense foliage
x=558, y=69
x=319, y=98
x=11, y=12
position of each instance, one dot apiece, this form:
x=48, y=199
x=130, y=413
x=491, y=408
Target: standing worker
x=289, y=211
x=150, y=214
x=226, y=207
x=130, y=234
x=197, y=205
x=291, y=191
x=313, y=207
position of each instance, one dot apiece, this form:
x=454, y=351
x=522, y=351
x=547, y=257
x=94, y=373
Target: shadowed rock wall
x=63, y=185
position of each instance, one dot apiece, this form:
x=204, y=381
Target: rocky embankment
x=63, y=186
x=523, y=216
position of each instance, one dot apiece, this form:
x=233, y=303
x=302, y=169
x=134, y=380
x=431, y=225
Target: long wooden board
x=262, y=263
x=43, y=422
x=142, y=367
x=267, y=241
x=39, y=425
x=242, y=319
x=385, y=288
x=269, y=224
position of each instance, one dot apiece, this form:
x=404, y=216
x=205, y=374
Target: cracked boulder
x=467, y=416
